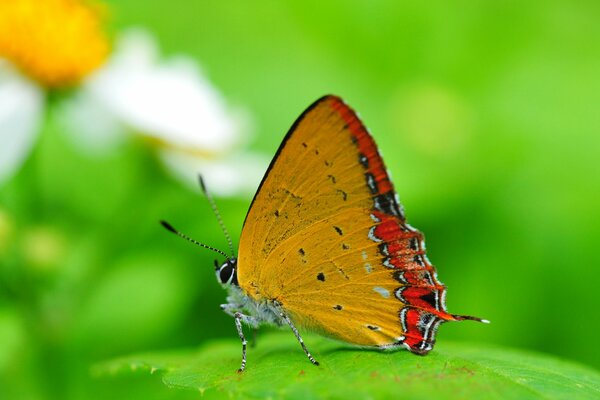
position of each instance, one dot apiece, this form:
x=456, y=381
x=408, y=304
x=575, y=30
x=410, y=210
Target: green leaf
x=278, y=368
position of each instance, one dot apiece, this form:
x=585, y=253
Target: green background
x=486, y=113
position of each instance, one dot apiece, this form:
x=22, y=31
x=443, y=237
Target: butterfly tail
x=468, y=317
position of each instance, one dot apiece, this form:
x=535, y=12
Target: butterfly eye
x=227, y=273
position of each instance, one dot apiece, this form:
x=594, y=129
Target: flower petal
x=169, y=101
x=236, y=174
x=93, y=128
x=21, y=107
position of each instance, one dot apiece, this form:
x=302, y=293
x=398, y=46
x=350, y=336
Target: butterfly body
x=325, y=245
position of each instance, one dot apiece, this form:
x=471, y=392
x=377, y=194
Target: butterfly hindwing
x=326, y=238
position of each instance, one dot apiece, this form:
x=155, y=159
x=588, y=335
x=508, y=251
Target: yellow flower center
x=56, y=42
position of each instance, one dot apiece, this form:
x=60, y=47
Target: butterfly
x=325, y=245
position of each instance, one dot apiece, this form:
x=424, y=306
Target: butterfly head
x=227, y=272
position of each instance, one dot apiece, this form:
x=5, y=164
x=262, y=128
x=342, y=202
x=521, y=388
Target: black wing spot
x=301, y=252
x=419, y=260
x=414, y=244
x=277, y=213
x=333, y=180
x=399, y=276
x=371, y=183
x=345, y=246
x=344, y=274
x=321, y=276
x=328, y=163
x=383, y=249
x=373, y=328
x=338, y=230
x=386, y=203
x=338, y=307
x=430, y=299
x=364, y=161
x=304, y=144
x=316, y=152
x=344, y=194
x=294, y=196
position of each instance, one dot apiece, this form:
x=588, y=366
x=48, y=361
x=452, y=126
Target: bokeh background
x=487, y=114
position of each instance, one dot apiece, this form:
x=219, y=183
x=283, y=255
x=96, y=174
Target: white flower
x=21, y=109
x=173, y=104
x=227, y=176
x=170, y=102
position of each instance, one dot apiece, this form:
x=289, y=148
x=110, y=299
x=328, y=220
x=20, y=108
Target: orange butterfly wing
x=326, y=238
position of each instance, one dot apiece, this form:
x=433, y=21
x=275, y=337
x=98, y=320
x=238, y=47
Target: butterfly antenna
x=189, y=239
x=217, y=214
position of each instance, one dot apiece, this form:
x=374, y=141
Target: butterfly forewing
x=301, y=186
x=326, y=238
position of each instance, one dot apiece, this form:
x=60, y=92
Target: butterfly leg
x=238, y=325
x=251, y=321
x=230, y=309
x=297, y=334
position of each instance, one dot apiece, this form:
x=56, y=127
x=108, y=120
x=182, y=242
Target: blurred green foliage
x=487, y=114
